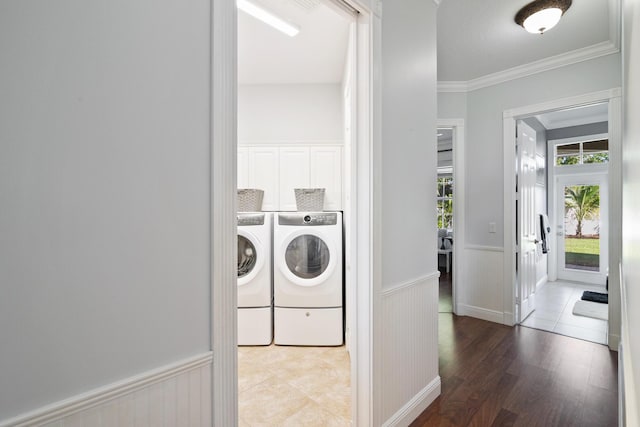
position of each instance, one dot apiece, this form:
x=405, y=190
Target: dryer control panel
x=308, y=218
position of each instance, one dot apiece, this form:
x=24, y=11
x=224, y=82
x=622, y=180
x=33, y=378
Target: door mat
x=591, y=309
x=595, y=297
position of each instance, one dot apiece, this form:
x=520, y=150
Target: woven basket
x=309, y=199
x=250, y=200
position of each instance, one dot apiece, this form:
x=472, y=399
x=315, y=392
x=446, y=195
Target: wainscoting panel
x=175, y=395
x=409, y=349
x=482, y=293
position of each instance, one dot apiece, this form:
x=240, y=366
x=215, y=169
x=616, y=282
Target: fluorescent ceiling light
x=442, y=170
x=267, y=17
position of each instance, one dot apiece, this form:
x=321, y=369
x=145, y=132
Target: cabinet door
x=243, y=167
x=294, y=173
x=326, y=172
x=263, y=174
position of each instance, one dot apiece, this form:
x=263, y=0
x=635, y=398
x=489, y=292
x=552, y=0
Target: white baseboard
x=544, y=279
x=179, y=388
x=421, y=401
x=481, y=313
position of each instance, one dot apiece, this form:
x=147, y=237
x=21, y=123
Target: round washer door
x=250, y=257
x=307, y=258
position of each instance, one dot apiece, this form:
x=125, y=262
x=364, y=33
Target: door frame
x=458, y=207
x=613, y=98
x=223, y=166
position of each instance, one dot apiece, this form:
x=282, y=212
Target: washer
x=255, y=279
x=307, y=278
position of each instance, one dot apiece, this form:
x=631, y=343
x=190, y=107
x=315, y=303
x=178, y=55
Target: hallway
x=495, y=375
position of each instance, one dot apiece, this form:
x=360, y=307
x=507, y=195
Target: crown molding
x=547, y=64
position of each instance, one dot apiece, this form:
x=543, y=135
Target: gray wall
x=631, y=209
x=104, y=188
x=409, y=156
x=483, y=148
x=576, y=131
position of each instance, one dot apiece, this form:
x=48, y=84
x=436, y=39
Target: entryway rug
x=591, y=309
x=595, y=297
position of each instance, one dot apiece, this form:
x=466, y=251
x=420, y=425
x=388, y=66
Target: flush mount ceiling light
x=267, y=17
x=541, y=15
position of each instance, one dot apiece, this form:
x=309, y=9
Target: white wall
x=484, y=202
x=104, y=188
x=484, y=130
x=631, y=211
x=406, y=355
x=302, y=113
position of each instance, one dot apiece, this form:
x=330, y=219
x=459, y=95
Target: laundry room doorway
x=299, y=94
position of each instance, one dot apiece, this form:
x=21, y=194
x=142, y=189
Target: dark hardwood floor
x=494, y=375
x=445, y=304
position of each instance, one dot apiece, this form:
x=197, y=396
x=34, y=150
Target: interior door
x=526, y=230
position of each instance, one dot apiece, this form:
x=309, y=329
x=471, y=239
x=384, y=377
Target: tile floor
x=554, y=306
x=294, y=386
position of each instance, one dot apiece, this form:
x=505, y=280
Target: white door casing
x=526, y=220
x=613, y=97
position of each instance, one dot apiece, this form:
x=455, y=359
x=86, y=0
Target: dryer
x=308, y=278
x=255, y=285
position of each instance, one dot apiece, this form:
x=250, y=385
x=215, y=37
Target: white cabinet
x=294, y=173
x=263, y=174
x=325, y=171
x=278, y=170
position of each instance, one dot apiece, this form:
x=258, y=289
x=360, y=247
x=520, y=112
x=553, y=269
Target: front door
x=581, y=227
x=526, y=230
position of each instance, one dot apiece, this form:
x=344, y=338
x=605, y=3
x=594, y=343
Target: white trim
x=297, y=143
x=546, y=64
x=459, y=197
x=453, y=86
x=223, y=164
x=101, y=395
x=400, y=287
x=413, y=408
x=484, y=248
x=481, y=313
x=543, y=280
x=612, y=96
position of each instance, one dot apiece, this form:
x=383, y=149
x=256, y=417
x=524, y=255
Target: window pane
x=596, y=158
x=448, y=187
x=595, y=146
x=568, y=149
x=582, y=227
x=567, y=160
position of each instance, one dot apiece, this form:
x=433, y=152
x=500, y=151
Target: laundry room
x=293, y=136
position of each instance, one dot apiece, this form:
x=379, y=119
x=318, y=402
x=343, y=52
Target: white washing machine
x=255, y=285
x=307, y=278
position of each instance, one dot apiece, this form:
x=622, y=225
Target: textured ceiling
x=315, y=55
x=477, y=38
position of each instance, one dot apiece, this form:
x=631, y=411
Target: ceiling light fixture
x=541, y=15
x=267, y=17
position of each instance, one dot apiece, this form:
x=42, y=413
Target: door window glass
x=307, y=256
x=582, y=227
x=247, y=256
